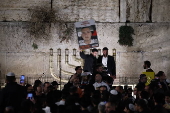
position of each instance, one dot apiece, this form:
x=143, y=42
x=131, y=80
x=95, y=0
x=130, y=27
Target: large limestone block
x=19, y=10
x=15, y=4
x=19, y=14
x=104, y=11
x=108, y=35
x=151, y=37
x=29, y=64
x=138, y=10
x=130, y=61
x=161, y=11
x=15, y=37
x=122, y=12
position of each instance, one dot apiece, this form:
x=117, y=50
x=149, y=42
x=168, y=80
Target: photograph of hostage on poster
x=87, y=35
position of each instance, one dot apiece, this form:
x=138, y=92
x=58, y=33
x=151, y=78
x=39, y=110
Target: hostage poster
x=87, y=34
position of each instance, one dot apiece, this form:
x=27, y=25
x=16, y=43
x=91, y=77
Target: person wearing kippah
x=12, y=95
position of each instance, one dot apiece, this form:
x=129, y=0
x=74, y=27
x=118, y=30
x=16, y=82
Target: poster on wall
x=87, y=34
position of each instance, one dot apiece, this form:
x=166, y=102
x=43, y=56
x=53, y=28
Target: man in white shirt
x=99, y=82
x=108, y=62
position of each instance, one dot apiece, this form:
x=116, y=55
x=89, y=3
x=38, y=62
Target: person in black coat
x=159, y=100
x=12, y=95
x=90, y=61
x=108, y=62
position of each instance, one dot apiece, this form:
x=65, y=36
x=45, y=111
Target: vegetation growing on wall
x=41, y=21
x=35, y=46
x=125, y=36
x=67, y=34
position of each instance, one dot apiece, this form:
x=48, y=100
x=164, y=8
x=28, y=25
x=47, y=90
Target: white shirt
x=61, y=102
x=148, y=68
x=46, y=109
x=104, y=61
x=96, y=85
x=81, y=42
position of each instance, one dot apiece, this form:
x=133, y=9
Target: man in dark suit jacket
x=12, y=95
x=108, y=62
x=90, y=61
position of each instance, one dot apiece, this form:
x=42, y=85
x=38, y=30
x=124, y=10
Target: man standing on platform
x=90, y=61
x=108, y=62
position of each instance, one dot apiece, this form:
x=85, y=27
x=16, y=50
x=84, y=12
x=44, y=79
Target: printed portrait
x=87, y=34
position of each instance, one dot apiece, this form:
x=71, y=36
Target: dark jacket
x=12, y=95
x=89, y=62
x=149, y=70
x=159, y=109
x=85, y=111
x=110, y=64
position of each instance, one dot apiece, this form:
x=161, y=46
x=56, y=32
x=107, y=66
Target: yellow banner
x=150, y=76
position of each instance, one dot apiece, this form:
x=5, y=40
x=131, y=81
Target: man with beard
x=108, y=62
x=147, y=65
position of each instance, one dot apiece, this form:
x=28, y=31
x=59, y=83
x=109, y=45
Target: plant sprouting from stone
x=41, y=21
x=35, y=46
x=125, y=36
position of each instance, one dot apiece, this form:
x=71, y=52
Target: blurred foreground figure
x=12, y=95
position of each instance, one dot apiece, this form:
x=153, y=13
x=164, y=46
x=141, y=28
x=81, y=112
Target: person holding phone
x=22, y=80
x=30, y=95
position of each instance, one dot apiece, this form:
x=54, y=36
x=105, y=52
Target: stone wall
x=103, y=11
x=151, y=40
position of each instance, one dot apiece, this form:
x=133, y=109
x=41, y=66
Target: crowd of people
x=87, y=92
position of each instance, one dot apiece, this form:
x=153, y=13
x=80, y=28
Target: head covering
x=113, y=92
x=131, y=107
x=54, y=83
x=86, y=73
x=168, y=81
x=10, y=74
x=94, y=50
x=105, y=48
x=102, y=103
x=141, y=76
x=61, y=102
